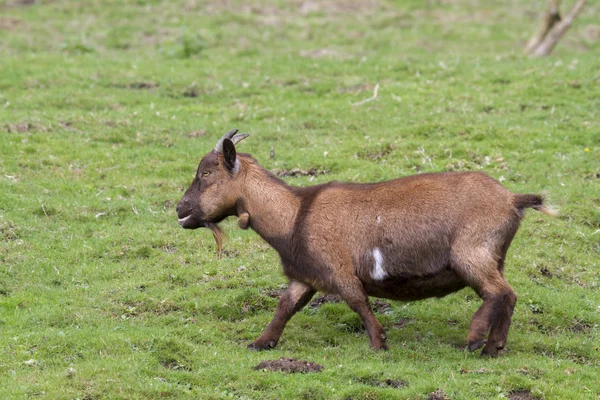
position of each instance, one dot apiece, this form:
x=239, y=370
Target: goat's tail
x=534, y=201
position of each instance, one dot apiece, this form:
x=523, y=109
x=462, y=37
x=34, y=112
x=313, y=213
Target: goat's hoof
x=262, y=346
x=490, y=350
x=380, y=347
x=477, y=344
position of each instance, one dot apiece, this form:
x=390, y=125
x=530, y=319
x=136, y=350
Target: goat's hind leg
x=480, y=271
x=499, y=330
x=296, y=296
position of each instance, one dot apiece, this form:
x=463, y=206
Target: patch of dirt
x=393, y=383
x=170, y=249
x=318, y=53
x=546, y=272
x=191, y=91
x=289, y=365
x=354, y=89
x=376, y=154
x=24, y=127
x=381, y=307
x=9, y=24
x=173, y=365
x=591, y=33
x=136, y=85
x=274, y=293
x=474, y=371
x=333, y=7
x=17, y=3
x=402, y=323
x=581, y=359
x=160, y=36
x=198, y=133
x=521, y=394
x=8, y=231
x=438, y=395
x=580, y=327
x=295, y=8
x=142, y=85
x=534, y=373
x=299, y=172
x=326, y=298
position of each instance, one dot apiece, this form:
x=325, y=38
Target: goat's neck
x=271, y=207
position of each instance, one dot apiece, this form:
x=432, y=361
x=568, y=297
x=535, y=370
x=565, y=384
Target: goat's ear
x=229, y=155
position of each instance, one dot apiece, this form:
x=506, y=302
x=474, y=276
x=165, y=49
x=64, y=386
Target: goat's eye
x=205, y=173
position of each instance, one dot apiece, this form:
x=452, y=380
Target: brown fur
x=430, y=234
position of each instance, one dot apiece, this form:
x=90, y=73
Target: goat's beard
x=218, y=235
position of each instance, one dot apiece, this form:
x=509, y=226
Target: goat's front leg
x=353, y=293
x=296, y=296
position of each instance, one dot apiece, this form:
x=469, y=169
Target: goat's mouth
x=189, y=222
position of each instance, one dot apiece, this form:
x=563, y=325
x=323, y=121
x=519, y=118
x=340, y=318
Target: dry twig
x=375, y=90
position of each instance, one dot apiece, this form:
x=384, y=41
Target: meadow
x=106, y=108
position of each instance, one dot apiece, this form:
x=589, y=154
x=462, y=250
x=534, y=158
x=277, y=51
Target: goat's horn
x=239, y=137
x=228, y=135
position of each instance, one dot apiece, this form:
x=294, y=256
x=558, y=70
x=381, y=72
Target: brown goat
x=421, y=236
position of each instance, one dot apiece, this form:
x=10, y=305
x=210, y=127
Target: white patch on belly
x=378, y=273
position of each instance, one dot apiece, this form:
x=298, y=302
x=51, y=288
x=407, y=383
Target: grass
x=106, y=108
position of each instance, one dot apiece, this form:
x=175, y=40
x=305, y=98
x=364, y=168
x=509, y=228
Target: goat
x=412, y=238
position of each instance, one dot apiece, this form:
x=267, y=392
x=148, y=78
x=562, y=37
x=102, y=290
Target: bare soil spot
x=546, y=272
x=136, y=85
x=402, y=323
x=355, y=89
x=377, y=153
x=474, y=371
x=9, y=24
x=591, y=33
x=381, y=307
x=17, y=3
x=318, y=53
x=142, y=85
x=521, y=394
x=334, y=7
x=165, y=307
x=326, y=298
x=24, y=127
x=393, y=383
x=191, y=91
x=198, y=133
x=299, y=172
x=8, y=231
x=438, y=395
x=580, y=327
x=289, y=365
x=230, y=253
x=169, y=249
x=274, y=293
x=173, y=365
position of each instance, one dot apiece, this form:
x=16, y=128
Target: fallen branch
x=375, y=90
x=552, y=29
x=551, y=17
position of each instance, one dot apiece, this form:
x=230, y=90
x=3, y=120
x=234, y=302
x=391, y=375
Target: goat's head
x=213, y=194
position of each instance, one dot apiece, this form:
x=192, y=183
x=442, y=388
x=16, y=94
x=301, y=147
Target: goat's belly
x=408, y=288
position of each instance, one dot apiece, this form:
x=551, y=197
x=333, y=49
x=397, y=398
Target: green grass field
x=106, y=108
